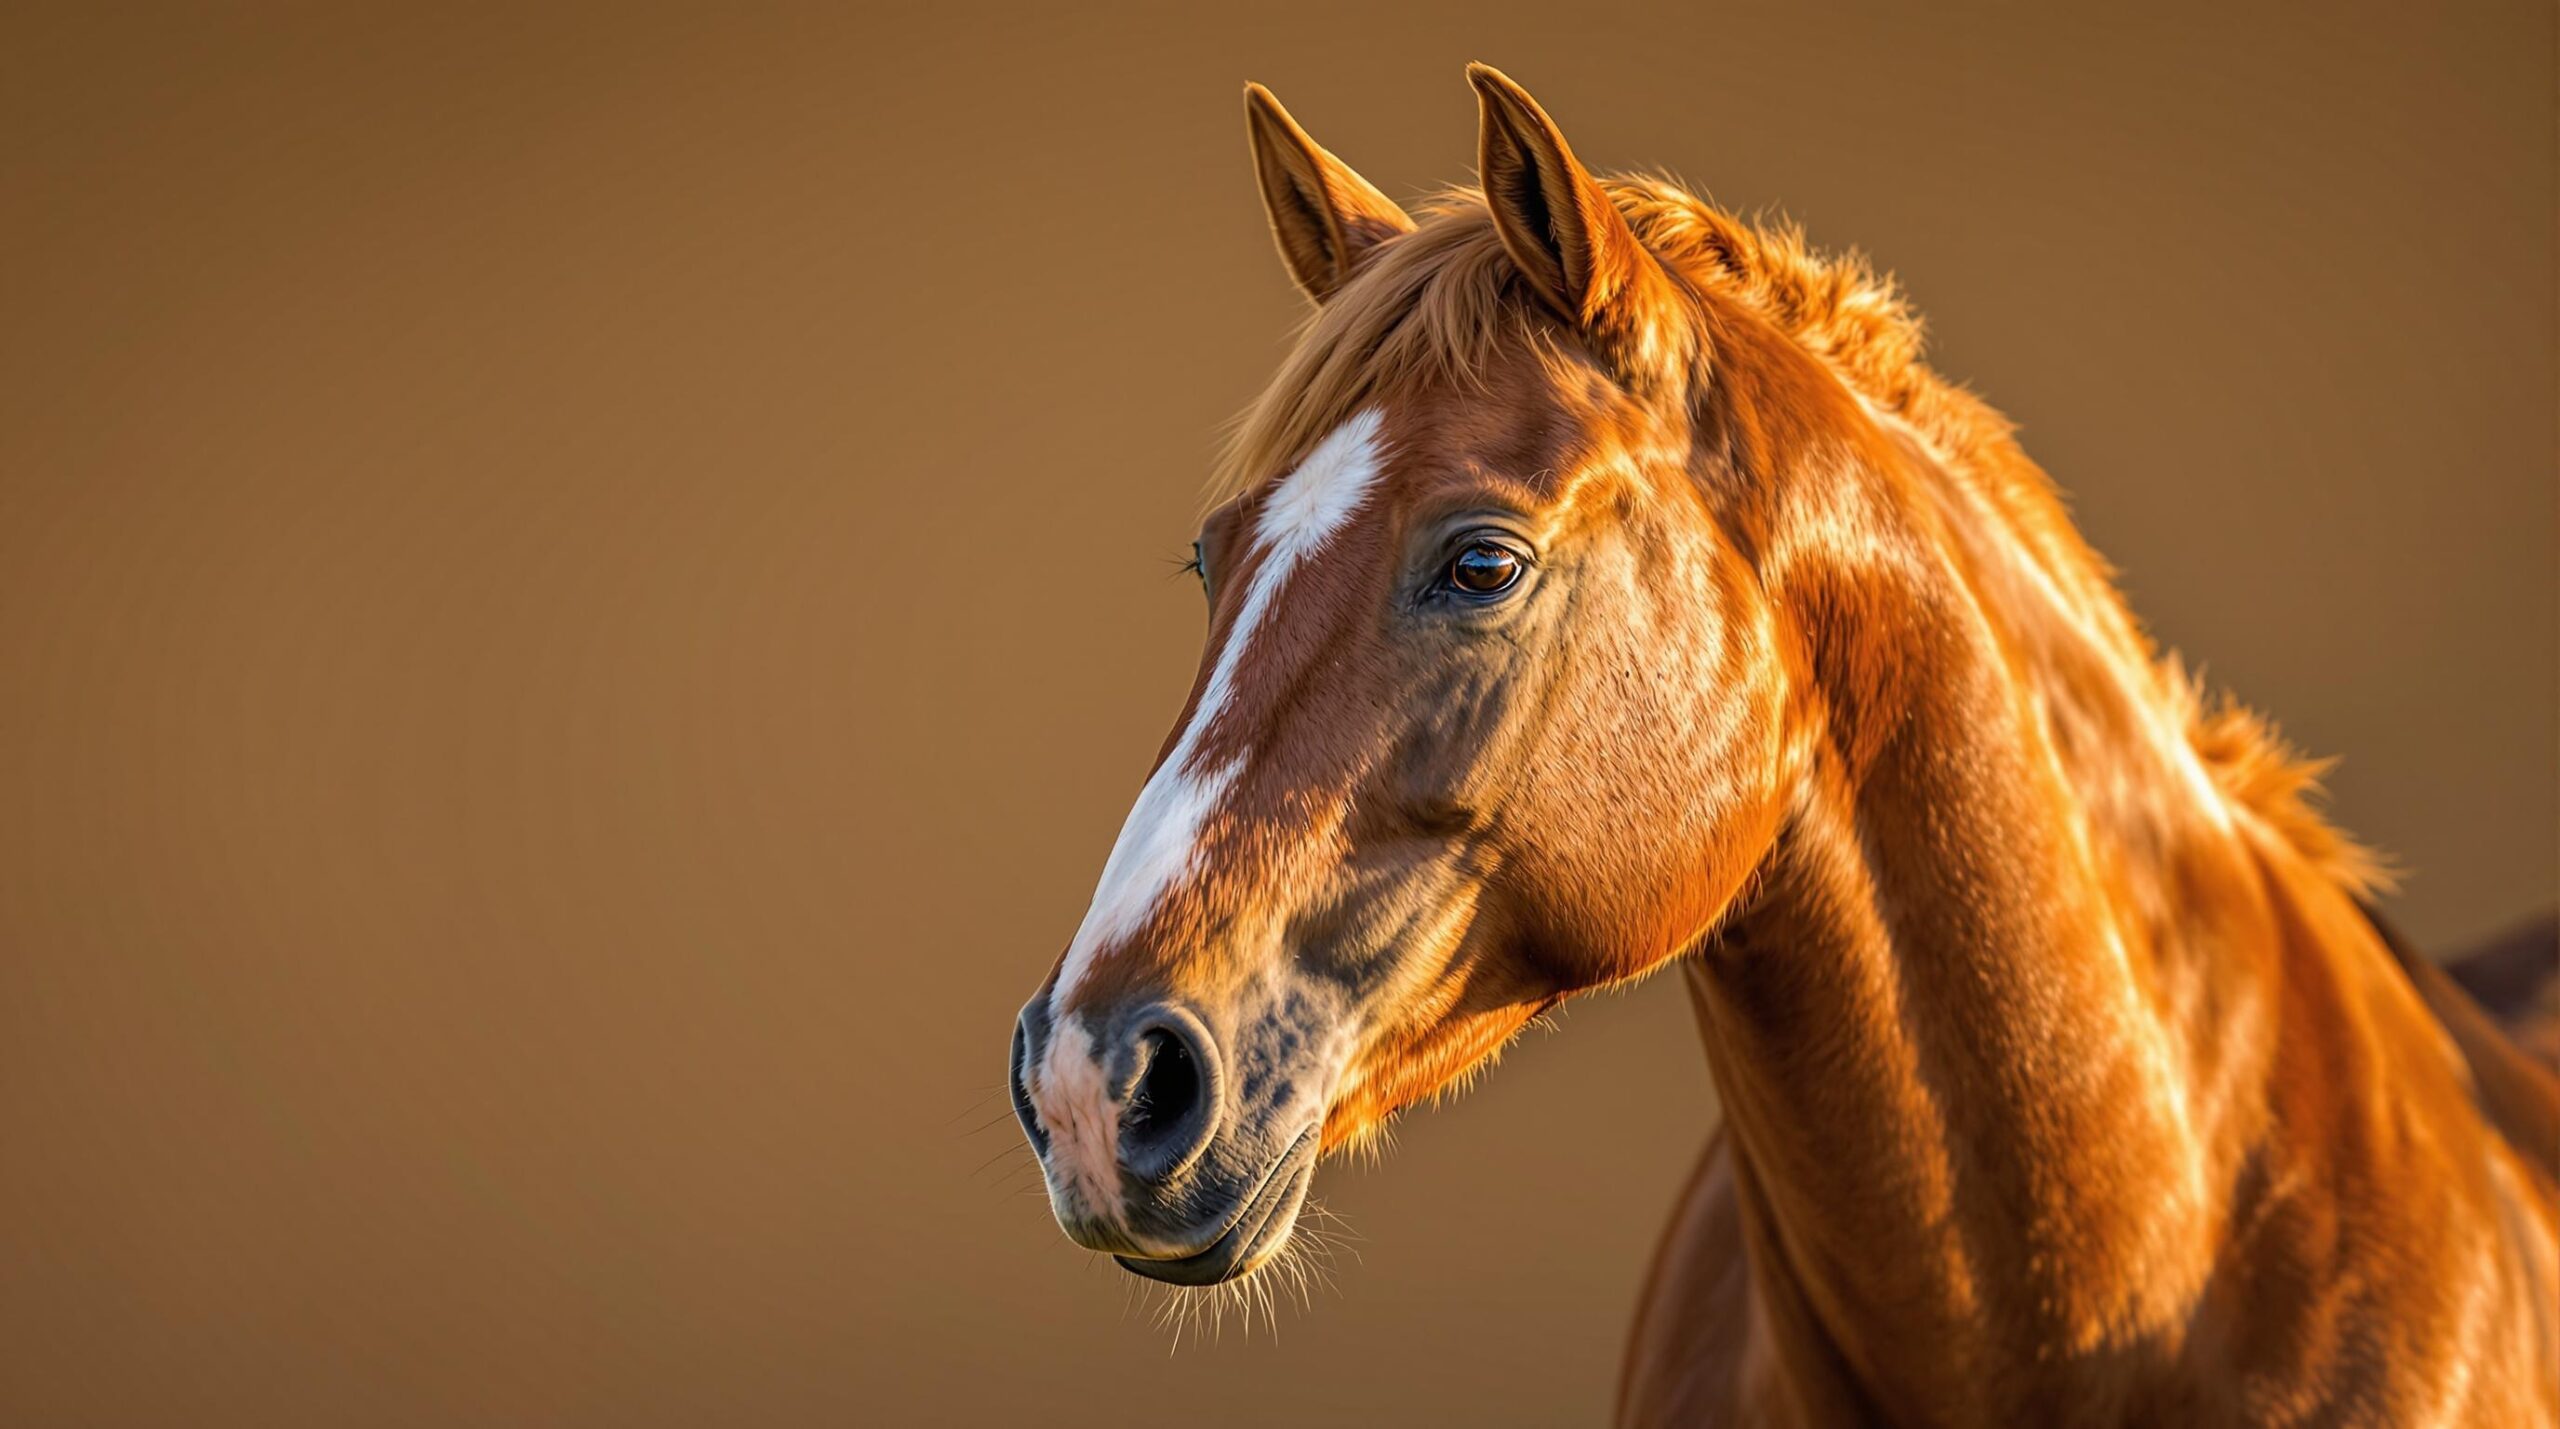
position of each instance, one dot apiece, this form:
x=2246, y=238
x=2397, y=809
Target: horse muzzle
x=1260, y=1226
x=1184, y=1154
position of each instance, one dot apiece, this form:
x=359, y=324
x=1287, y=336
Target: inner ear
x=1325, y=218
x=1525, y=213
x=1311, y=243
x=1535, y=212
x=1552, y=217
x=1567, y=237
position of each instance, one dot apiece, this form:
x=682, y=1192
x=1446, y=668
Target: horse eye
x=1484, y=569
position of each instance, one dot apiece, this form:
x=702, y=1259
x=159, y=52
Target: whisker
x=1003, y=1118
x=983, y=1166
x=999, y=1089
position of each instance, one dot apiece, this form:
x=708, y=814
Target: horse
x=1603, y=584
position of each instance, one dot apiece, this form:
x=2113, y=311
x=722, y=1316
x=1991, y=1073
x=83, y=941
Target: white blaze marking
x=1156, y=843
x=1084, y=1134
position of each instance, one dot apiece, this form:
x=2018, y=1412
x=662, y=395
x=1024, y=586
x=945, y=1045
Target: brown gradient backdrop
x=581, y=595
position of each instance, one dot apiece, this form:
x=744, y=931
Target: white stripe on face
x=1155, y=847
x=1084, y=1134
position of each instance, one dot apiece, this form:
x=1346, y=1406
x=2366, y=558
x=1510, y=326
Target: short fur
x=2066, y=1078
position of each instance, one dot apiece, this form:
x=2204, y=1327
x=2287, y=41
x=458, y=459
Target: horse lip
x=1228, y=1255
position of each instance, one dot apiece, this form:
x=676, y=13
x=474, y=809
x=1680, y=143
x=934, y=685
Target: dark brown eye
x=1484, y=569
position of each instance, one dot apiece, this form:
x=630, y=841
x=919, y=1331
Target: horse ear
x=1325, y=218
x=1562, y=229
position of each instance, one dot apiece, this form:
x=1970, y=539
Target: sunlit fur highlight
x=2065, y=1075
x=1435, y=307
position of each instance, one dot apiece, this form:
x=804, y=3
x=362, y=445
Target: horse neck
x=1992, y=1035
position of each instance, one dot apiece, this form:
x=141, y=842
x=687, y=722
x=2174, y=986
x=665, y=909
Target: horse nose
x=1025, y=1047
x=1173, y=1098
x=1137, y=1104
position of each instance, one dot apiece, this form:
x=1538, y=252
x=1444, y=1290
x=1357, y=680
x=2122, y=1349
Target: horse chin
x=1257, y=1233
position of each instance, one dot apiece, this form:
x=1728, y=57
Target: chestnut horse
x=1604, y=583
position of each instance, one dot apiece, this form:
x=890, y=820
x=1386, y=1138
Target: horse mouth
x=1265, y=1220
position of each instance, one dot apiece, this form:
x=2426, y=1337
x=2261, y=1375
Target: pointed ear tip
x=1501, y=100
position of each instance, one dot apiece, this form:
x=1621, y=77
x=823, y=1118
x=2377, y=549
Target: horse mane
x=1436, y=304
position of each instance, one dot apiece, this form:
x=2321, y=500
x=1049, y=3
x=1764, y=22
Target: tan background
x=581, y=596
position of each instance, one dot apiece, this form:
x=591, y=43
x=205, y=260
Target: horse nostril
x=1022, y=1112
x=1165, y=1095
x=1172, y=1105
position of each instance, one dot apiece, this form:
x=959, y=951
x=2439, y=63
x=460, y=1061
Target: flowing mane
x=1435, y=306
